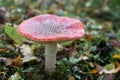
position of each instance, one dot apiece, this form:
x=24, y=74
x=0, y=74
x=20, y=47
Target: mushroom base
x=50, y=57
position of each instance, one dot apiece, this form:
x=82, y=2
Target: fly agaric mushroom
x=51, y=29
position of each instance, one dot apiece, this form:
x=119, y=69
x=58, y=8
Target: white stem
x=50, y=57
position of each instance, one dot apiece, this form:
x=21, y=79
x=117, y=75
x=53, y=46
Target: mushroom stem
x=50, y=57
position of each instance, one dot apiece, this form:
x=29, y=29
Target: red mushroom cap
x=50, y=28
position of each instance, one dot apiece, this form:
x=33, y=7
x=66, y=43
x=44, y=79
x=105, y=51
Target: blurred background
x=103, y=12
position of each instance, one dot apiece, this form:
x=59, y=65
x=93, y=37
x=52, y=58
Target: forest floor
x=96, y=56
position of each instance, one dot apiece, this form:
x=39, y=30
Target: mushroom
x=51, y=29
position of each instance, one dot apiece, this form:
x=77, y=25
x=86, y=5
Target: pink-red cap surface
x=50, y=28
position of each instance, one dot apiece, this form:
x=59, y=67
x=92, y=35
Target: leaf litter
x=94, y=57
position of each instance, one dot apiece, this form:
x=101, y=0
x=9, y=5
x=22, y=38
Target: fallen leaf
x=32, y=49
x=84, y=57
x=29, y=58
x=89, y=37
x=118, y=67
x=115, y=43
x=114, y=70
x=60, y=47
x=1, y=73
x=116, y=56
x=3, y=50
x=17, y=61
x=91, y=64
x=26, y=50
x=94, y=71
x=13, y=34
x=15, y=76
x=9, y=62
x=99, y=68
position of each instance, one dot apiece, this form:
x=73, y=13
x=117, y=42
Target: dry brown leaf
x=17, y=61
x=98, y=67
x=89, y=37
x=94, y=71
x=115, y=43
x=118, y=67
x=9, y=62
x=3, y=50
x=1, y=73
